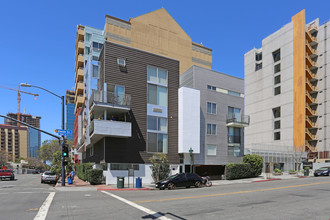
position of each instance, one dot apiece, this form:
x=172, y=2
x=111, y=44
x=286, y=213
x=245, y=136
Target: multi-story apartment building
x=14, y=141
x=286, y=93
x=156, y=32
x=222, y=119
x=134, y=112
x=70, y=117
x=34, y=135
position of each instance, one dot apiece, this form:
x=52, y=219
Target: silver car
x=49, y=176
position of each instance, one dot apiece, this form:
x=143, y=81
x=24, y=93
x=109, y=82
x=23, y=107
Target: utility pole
x=191, y=160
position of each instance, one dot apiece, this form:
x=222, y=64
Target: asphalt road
x=306, y=198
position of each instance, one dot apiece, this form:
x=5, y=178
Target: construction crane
x=19, y=100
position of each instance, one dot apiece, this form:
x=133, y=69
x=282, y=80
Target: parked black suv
x=180, y=180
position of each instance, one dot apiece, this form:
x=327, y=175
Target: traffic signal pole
x=63, y=167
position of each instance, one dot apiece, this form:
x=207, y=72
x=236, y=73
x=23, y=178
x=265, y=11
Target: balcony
x=79, y=99
x=312, y=28
x=310, y=99
x=309, y=123
x=310, y=75
x=79, y=87
x=79, y=74
x=109, y=100
x=309, y=111
x=310, y=87
x=310, y=63
x=80, y=44
x=311, y=39
x=237, y=120
x=309, y=135
x=234, y=139
x=310, y=51
x=106, y=128
x=310, y=147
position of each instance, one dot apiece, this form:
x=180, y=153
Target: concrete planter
x=277, y=174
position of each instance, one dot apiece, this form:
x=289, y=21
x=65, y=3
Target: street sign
x=62, y=132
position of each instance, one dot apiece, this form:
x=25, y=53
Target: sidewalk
x=80, y=185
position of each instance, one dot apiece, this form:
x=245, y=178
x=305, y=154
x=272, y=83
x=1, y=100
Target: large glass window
x=88, y=37
x=157, y=143
x=211, y=108
x=234, y=112
x=234, y=151
x=95, y=71
x=277, y=112
x=211, y=150
x=277, y=55
x=157, y=123
x=97, y=46
x=211, y=129
x=157, y=75
x=234, y=135
x=157, y=82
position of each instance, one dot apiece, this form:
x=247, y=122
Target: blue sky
x=38, y=39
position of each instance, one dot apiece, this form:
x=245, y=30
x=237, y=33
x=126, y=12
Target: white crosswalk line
x=45, y=207
x=150, y=212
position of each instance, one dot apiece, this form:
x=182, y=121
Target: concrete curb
x=257, y=181
x=126, y=189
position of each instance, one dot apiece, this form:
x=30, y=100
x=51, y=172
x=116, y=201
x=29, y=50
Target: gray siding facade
x=198, y=78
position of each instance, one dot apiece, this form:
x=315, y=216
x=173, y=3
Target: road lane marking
x=45, y=207
x=148, y=211
x=231, y=193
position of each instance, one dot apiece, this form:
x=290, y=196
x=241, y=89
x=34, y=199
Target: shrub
x=238, y=171
x=291, y=171
x=306, y=168
x=95, y=176
x=256, y=163
x=277, y=170
x=83, y=171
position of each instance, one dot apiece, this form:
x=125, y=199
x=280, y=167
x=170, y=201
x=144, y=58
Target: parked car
x=180, y=180
x=323, y=171
x=49, y=176
x=7, y=173
x=35, y=172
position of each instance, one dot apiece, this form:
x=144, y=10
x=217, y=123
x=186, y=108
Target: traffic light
x=65, y=150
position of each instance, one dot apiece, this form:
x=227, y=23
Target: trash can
x=70, y=180
x=120, y=181
x=138, y=182
x=306, y=172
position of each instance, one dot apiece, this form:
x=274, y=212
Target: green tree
x=48, y=148
x=55, y=165
x=4, y=158
x=160, y=166
x=256, y=163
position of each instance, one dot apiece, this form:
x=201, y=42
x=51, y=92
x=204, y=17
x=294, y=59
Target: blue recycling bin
x=138, y=182
x=70, y=180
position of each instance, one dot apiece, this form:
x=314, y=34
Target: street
x=301, y=198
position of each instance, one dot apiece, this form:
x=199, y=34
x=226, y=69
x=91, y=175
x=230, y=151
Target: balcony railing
x=237, y=120
x=106, y=128
x=312, y=136
x=310, y=99
x=310, y=111
x=310, y=147
x=110, y=98
x=310, y=74
x=312, y=124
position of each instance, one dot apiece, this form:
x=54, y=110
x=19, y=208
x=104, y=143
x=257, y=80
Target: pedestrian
x=72, y=174
x=113, y=118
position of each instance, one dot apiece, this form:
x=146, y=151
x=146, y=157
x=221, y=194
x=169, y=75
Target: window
x=234, y=135
x=88, y=36
x=211, y=129
x=213, y=88
x=258, y=56
x=122, y=166
x=234, y=113
x=211, y=150
x=95, y=71
x=234, y=93
x=157, y=123
x=258, y=66
x=234, y=151
x=157, y=143
x=211, y=108
x=277, y=68
x=277, y=79
x=157, y=94
x=87, y=50
x=95, y=58
x=157, y=75
x=277, y=112
x=277, y=136
x=277, y=90
x=277, y=55
x=97, y=46
x=277, y=124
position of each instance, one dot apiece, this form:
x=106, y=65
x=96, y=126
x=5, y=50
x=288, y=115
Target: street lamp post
x=191, y=159
x=62, y=98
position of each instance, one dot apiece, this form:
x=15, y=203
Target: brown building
x=135, y=114
x=14, y=141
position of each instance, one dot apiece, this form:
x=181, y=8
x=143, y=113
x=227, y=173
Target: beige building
x=14, y=141
x=156, y=32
